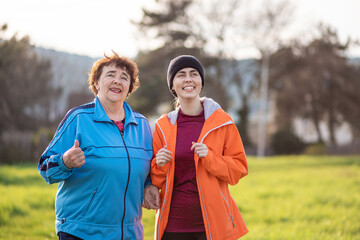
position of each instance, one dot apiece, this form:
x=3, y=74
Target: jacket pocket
x=228, y=207
x=90, y=202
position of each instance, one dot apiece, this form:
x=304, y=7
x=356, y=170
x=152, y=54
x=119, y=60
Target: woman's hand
x=200, y=149
x=74, y=157
x=151, y=197
x=163, y=156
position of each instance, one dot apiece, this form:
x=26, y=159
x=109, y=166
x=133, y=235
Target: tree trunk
x=243, y=125
x=263, y=103
x=331, y=110
x=331, y=125
x=315, y=118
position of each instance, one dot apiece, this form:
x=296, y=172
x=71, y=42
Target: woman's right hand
x=74, y=157
x=163, y=156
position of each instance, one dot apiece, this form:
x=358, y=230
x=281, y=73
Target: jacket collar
x=101, y=116
x=210, y=106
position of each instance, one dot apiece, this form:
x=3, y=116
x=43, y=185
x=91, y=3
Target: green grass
x=291, y=197
x=301, y=198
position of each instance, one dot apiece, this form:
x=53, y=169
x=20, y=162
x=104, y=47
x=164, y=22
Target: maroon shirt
x=185, y=211
x=119, y=124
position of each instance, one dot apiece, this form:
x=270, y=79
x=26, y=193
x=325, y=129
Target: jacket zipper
x=162, y=210
x=197, y=176
x=162, y=132
x=166, y=186
x=127, y=185
x=202, y=200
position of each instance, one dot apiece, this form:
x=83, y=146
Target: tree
x=350, y=105
x=202, y=28
x=315, y=81
x=26, y=85
x=265, y=28
x=243, y=78
x=152, y=72
x=168, y=26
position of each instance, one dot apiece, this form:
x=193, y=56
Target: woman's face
x=113, y=84
x=187, y=83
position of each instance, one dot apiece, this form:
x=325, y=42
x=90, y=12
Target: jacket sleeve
x=230, y=165
x=158, y=174
x=51, y=166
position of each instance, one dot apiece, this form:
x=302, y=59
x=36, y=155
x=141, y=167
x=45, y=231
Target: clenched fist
x=74, y=157
x=163, y=156
x=151, y=197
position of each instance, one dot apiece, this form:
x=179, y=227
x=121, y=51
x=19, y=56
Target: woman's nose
x=117, y=80
x=187, y=78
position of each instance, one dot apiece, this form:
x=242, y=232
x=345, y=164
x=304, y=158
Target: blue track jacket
x=101, y=199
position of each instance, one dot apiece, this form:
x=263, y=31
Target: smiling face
x=113, y=84
x=187, y=84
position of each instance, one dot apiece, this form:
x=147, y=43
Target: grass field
x=291, y=197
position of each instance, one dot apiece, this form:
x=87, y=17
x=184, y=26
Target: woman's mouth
x=115, y=90
x=189, y=88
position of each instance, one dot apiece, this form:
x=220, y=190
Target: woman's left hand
x=200, y=149
x=151, y=197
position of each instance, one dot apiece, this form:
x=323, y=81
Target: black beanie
x=179, y=63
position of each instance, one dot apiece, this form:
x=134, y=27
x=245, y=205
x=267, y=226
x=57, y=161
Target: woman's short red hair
x=120, y=62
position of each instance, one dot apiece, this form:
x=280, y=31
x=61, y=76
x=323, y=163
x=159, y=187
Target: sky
x=93, y=27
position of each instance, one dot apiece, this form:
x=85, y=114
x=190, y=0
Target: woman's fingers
x=163, y=156
x=200, y=149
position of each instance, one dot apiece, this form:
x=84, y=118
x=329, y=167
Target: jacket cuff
x=147, y=181
x=62, y=166
x=208, y=160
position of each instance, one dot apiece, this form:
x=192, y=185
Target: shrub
x=15, y=147
x=20, y=146
x=41, y=140
x=286, y=142
x=316, y=149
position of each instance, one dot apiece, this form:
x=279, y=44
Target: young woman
x=198, y=152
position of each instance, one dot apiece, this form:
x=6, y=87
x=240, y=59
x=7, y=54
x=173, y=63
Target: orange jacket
x=224, y=164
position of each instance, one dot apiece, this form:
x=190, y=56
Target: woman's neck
x=115, y=111
x=191, y=107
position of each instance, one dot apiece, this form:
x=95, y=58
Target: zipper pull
x=232, y=219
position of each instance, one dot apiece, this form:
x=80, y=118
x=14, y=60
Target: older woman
x=100, y=156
